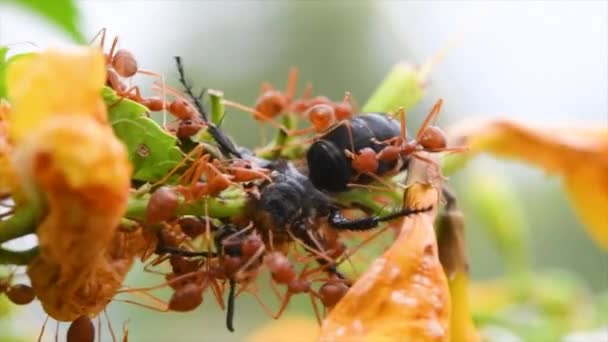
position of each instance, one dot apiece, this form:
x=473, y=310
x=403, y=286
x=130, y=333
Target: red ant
x=19, y=294
x=283, y=272
x=81, y=330
x=332, y=291
x=342, y=110
x=123, y=64
x=429, y=138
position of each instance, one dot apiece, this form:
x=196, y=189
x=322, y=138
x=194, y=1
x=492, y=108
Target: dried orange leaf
x=66, y=153
x=579, y=155
x=404, y=295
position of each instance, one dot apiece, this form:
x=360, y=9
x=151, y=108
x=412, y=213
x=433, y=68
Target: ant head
x=332, y=292
x=432, y=138
x=321, y=116
x=344, y=109
x=271, y=103
x=191, y=226
x=162, y=205
x=188, y=128
x=251, y=245
x=124, y=63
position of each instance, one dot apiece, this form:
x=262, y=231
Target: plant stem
x=217, y=106
x=23, y=222
x=400, y=88
x=231, y=204
x=8, y=257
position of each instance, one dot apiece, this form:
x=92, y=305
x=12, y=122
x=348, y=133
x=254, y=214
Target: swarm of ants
x=292, y=225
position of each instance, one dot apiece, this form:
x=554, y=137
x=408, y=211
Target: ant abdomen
x=81, y=330
x=186, y=298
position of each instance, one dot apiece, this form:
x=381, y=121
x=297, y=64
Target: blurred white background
x=534, y=61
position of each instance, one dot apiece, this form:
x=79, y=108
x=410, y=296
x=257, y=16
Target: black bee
x=330, y=168
x=330, y=158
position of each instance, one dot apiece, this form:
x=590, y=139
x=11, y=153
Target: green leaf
x=152, y=151
x=61, y=13
x=3, y=64
x=400, y=88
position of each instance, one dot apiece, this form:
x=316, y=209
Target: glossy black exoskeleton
x=330, y=169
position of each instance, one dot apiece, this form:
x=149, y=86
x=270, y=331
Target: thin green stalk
x=217, y=106
x=231, y=203
x=401, y=88
x=8, y=257
x=23, y=222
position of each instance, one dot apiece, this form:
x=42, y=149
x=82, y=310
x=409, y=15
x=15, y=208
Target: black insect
x=329, y=166
x=291, y=206
x=370, y=145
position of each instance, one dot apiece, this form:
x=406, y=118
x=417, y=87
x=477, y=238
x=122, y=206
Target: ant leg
x=308, y=241
x=218, y=293
x=292, y=83
x=57, y=331
x=262, y=304
x=99, y=33
x=283, y=306
x=125, y=331
x=338, y=221
x=109, y=323
x=313, y=296
x=257, y=115
x=354, y=250
x=42, y=329
x=195, y=151
x=430, y=117
x=98, y=328
x=111, y=53
x=230, y=310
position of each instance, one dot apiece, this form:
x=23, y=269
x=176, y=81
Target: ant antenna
x=224, y=143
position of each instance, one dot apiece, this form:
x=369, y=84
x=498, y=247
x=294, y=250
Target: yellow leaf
x=66, y=153
x=579, y=155
x=55, y=82
x=404, y=295
x=7, y=174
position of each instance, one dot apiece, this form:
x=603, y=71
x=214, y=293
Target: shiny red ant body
x=19, y=294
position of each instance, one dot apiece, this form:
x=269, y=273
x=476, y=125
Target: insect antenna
x=225, y=144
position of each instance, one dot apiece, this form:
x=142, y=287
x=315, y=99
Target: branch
x=8, y=257
x=23, y=222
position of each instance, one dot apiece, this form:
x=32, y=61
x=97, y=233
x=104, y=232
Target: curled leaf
x=404, y=294
x=578, y=155
x=152, y=151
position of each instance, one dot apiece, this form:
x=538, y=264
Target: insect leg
x=338, y=221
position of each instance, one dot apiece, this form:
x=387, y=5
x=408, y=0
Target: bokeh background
x=543, y=62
